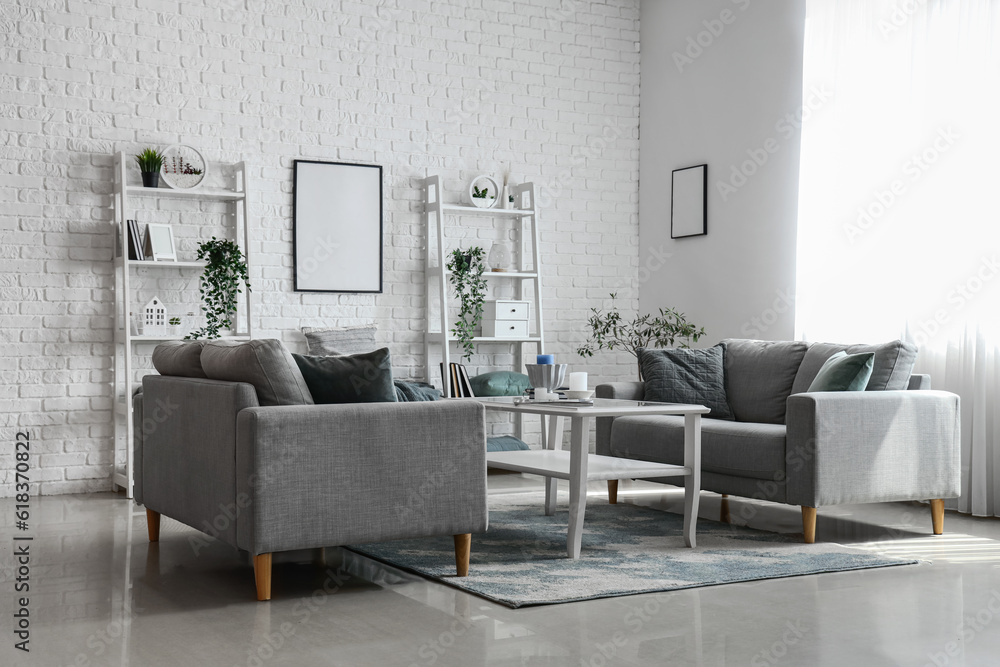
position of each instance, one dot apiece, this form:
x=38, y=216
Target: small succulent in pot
x=150, y=160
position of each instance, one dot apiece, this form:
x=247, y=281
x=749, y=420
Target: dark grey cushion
x=729, y=448
x=759, y=377
x=349, y=378
x=180, y=358
x=264, y=363
x=890, y=372
x=686, y=376
x=340, y=341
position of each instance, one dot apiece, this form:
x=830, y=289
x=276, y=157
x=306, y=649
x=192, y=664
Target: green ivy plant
x=149, y=161
x=226, y=268
x=609, y=331
x=467, y=268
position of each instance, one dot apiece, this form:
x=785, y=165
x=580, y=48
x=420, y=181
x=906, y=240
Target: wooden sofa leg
x=937, y=516
x=262, y=575
x=724, y=510
x=809, y=524
x=612, y=491
x=463, y=546
x=153, y=525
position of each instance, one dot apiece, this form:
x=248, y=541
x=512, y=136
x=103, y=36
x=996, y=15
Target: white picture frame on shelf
x=689, y=202
x=160, y=243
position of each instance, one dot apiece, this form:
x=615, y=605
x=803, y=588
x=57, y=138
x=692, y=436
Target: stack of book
x=136, y=249
x=458, y=379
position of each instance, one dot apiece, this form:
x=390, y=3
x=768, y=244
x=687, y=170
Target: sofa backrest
x=759, y=377
x=264, y=363
x=891, y=372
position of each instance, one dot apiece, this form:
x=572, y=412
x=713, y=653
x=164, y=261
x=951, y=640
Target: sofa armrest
x=327, y=475
x=632, y=391
x=872, y=446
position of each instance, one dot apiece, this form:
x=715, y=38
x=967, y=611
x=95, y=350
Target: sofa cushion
x=728, y=448
x=340, y=341
x=180, y=358
x=686, y=376
x=264, y=363
x=500, y=383
x=844, y=372
x=759, y=377
x=351, y=378
x=890, y=370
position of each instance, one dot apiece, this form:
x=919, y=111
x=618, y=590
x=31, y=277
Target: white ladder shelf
x=525, y=219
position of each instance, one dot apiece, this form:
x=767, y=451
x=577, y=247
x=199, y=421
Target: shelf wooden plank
x=436, y=335
x=433, y=270
x=475, y=210
x=167, y=265
x=153, y=339
x=216, y=194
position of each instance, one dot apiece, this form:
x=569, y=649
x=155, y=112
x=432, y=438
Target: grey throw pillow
x=890, y=372
x=265, y=364
x=340, y=341
x=687, y=376
x=179, y=357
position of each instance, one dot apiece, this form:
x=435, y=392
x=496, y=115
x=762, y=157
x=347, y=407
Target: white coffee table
x=579, y=467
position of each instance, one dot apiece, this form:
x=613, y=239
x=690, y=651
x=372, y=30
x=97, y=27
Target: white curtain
x=899, y=229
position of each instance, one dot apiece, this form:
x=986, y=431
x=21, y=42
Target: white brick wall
x=456, y=87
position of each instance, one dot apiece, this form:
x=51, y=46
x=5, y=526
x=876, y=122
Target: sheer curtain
x=899, y=230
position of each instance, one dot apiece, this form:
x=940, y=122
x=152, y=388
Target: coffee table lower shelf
x=556, y=463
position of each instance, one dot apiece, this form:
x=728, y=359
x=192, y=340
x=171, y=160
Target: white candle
x=578, y=382
x=541, y=394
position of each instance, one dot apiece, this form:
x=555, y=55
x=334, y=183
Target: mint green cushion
x=500, y=383
x=844, y=372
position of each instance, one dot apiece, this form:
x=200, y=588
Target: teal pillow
x=353, y=378
x=500, y=383
x=844, y=372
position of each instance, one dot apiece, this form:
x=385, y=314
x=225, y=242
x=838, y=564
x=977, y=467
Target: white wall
x=719, y=79
x=456, y=87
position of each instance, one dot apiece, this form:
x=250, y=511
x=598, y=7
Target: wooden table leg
x=692, y=483
x=579, y=438
x=553, y=441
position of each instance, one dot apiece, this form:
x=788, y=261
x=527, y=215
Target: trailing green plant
x=467, y=268
x=610, y=331
x=174, y=321
x=225, y=269
x=149, y=161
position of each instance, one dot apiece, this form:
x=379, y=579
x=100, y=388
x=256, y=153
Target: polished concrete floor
x=100, y=594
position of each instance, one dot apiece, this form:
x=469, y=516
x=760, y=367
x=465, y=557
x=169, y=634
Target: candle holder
x=546, y=376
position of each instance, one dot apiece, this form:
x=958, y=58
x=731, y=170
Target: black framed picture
x=337, y=227
x=689, y=202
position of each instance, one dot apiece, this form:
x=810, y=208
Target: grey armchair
x=277, y=478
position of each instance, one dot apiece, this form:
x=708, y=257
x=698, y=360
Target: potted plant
x=175, y=325
x=150, y=161
x=467, y=268
x=225, y=269
x=610, y=331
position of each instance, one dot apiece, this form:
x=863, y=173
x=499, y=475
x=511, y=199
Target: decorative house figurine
x=154, y=318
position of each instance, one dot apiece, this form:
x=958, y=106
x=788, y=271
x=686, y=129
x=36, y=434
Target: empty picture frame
x=689, y=202
x=337, y=227
x=160, y=243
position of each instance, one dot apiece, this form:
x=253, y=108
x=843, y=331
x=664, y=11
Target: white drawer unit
x=505, y=328
x=505, y=310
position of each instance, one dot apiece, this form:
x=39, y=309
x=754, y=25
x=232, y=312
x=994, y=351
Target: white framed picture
x=689, y=202
x=160, y=243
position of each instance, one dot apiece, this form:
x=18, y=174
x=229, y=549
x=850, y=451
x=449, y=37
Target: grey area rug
x=521, y=560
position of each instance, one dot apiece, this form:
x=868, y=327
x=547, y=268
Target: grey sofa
x=898, y=440
x=291, y=475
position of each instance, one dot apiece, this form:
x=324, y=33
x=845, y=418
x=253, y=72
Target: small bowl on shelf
x=580, y=395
